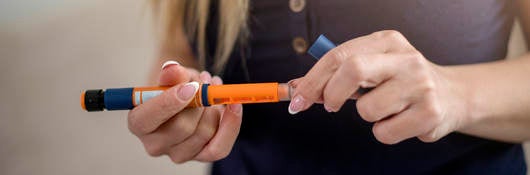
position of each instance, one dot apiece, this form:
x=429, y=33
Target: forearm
x=498, y=98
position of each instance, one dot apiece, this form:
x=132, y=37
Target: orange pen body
x=243, y=93
x=222, y=94
x=207, y=95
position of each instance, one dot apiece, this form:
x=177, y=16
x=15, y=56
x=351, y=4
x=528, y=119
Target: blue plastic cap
x=118, y=99
x=320, y=47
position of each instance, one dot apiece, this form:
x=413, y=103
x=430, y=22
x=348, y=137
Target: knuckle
x=415, y=60
x=416, y=55
x=337, y=56
x=393, y=35
x=356, y=69
x=380, y=34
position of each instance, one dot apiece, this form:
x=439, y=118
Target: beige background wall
x=51, y=50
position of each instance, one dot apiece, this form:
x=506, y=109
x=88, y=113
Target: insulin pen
x=207, y=95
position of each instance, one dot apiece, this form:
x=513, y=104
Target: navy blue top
x=272, y=141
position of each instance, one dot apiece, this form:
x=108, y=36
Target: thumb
x=146, y=118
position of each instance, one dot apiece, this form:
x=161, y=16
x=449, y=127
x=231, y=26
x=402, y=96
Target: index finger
x=312, y=84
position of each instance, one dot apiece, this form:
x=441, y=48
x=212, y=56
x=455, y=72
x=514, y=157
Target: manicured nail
x=329, y=109
x=293, y=83
x=296, y=104
x=188, y=91
x=216, y=80
x=205, y=77
x=169, y=63
x=235, y=108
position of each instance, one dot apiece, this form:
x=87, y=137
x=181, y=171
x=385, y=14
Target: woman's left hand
x=412, y=97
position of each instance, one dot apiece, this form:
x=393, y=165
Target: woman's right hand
x=166, y=128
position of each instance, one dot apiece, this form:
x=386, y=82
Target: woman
x=424, y=115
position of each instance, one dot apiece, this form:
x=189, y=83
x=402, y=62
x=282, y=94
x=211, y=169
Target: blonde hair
x=192, y=17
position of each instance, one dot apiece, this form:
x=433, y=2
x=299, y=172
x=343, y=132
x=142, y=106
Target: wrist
x=466, y=103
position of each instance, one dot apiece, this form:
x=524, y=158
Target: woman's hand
x=166, y=128
x=412, y=97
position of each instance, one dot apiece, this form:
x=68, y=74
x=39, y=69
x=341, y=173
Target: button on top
x=299, y=45
x=297, y=5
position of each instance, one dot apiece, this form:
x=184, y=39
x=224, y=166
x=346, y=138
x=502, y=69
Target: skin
x=166, y=128
x=487, y=100
x=413, y=97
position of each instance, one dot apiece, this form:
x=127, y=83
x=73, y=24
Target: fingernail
x=293, y=83
x=205, y=77
x=329, y=109
x=169, y=63
x=296, y=104
x=235, y=108
x=188, y=90
x=217, y=80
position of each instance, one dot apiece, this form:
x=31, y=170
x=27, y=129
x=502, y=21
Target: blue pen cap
x=118, y=99
x=320, y=47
